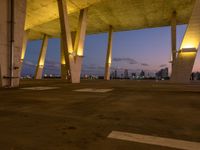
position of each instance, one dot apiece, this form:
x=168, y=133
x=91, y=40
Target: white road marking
x=153, y=140
x=39, y=88
x=94, y=90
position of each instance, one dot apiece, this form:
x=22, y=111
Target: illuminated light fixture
x=188, y=50
x=188, y=45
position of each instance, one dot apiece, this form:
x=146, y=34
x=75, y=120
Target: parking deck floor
x=71, y=117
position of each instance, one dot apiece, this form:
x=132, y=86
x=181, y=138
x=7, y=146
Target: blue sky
x=147, y=49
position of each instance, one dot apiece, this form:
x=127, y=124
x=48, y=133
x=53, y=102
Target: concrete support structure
x=173, y=37
x=24, y=47
x=65, y=74
x=73, y=52
x=63, y=69
x=109, y=54
x=183, y=66
x=12, y=14
x=41, y=60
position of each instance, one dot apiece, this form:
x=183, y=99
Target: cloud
x=144, y=64
x=163, y=65
x=50, y=64
x=93, y=67
x=127, y=60
x=29, y=63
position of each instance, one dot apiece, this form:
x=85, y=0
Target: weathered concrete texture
x=182, y=68
x=62, y=119
x=42, y=16
x=5, y=41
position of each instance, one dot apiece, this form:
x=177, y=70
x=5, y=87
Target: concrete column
x=173, y=37
x=109, y=54
x=185, y=59
x=24, y=47
x=73, y=52
x=63, y=68
x=41, y=60
x=12, y=14
x=67, y=46
x=79, y=46
x=65, y=73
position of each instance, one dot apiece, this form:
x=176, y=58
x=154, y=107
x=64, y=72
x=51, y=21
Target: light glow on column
x=80, y=52
x=190, y=44
x=188, y=51
x=41, y=66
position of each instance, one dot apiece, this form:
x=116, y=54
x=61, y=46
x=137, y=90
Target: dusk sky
x=147, y=49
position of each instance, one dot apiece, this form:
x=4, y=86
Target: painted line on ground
x=93, y=90
x=40, y=88
x=153, y=140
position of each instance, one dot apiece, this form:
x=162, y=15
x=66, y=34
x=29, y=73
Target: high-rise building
x=142, y=74
x=115, y=74
x=162, y=74
x=126, y=74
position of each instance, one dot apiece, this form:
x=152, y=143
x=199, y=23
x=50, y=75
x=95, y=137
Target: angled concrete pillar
x=63, y=69
x=184, y=63
x=67, y=46
x=73, y=52
x=79, y=44
x=109, y=54
x=41, y=60
x=65, y=74
x=173, y=37
x=24, y=47
x=12, y=14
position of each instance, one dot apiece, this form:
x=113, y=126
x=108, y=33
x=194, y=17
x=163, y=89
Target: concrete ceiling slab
x=42, y=16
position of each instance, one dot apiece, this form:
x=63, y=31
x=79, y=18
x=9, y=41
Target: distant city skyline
x=147, y=49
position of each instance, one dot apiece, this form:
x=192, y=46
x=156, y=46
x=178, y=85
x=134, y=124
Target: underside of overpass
x=72, y=20
x=42, y=17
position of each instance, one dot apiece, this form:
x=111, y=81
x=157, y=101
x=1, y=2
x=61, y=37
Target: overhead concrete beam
x=108, y=62
x=12, y=22
x=41, y=60
x=43, y=17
